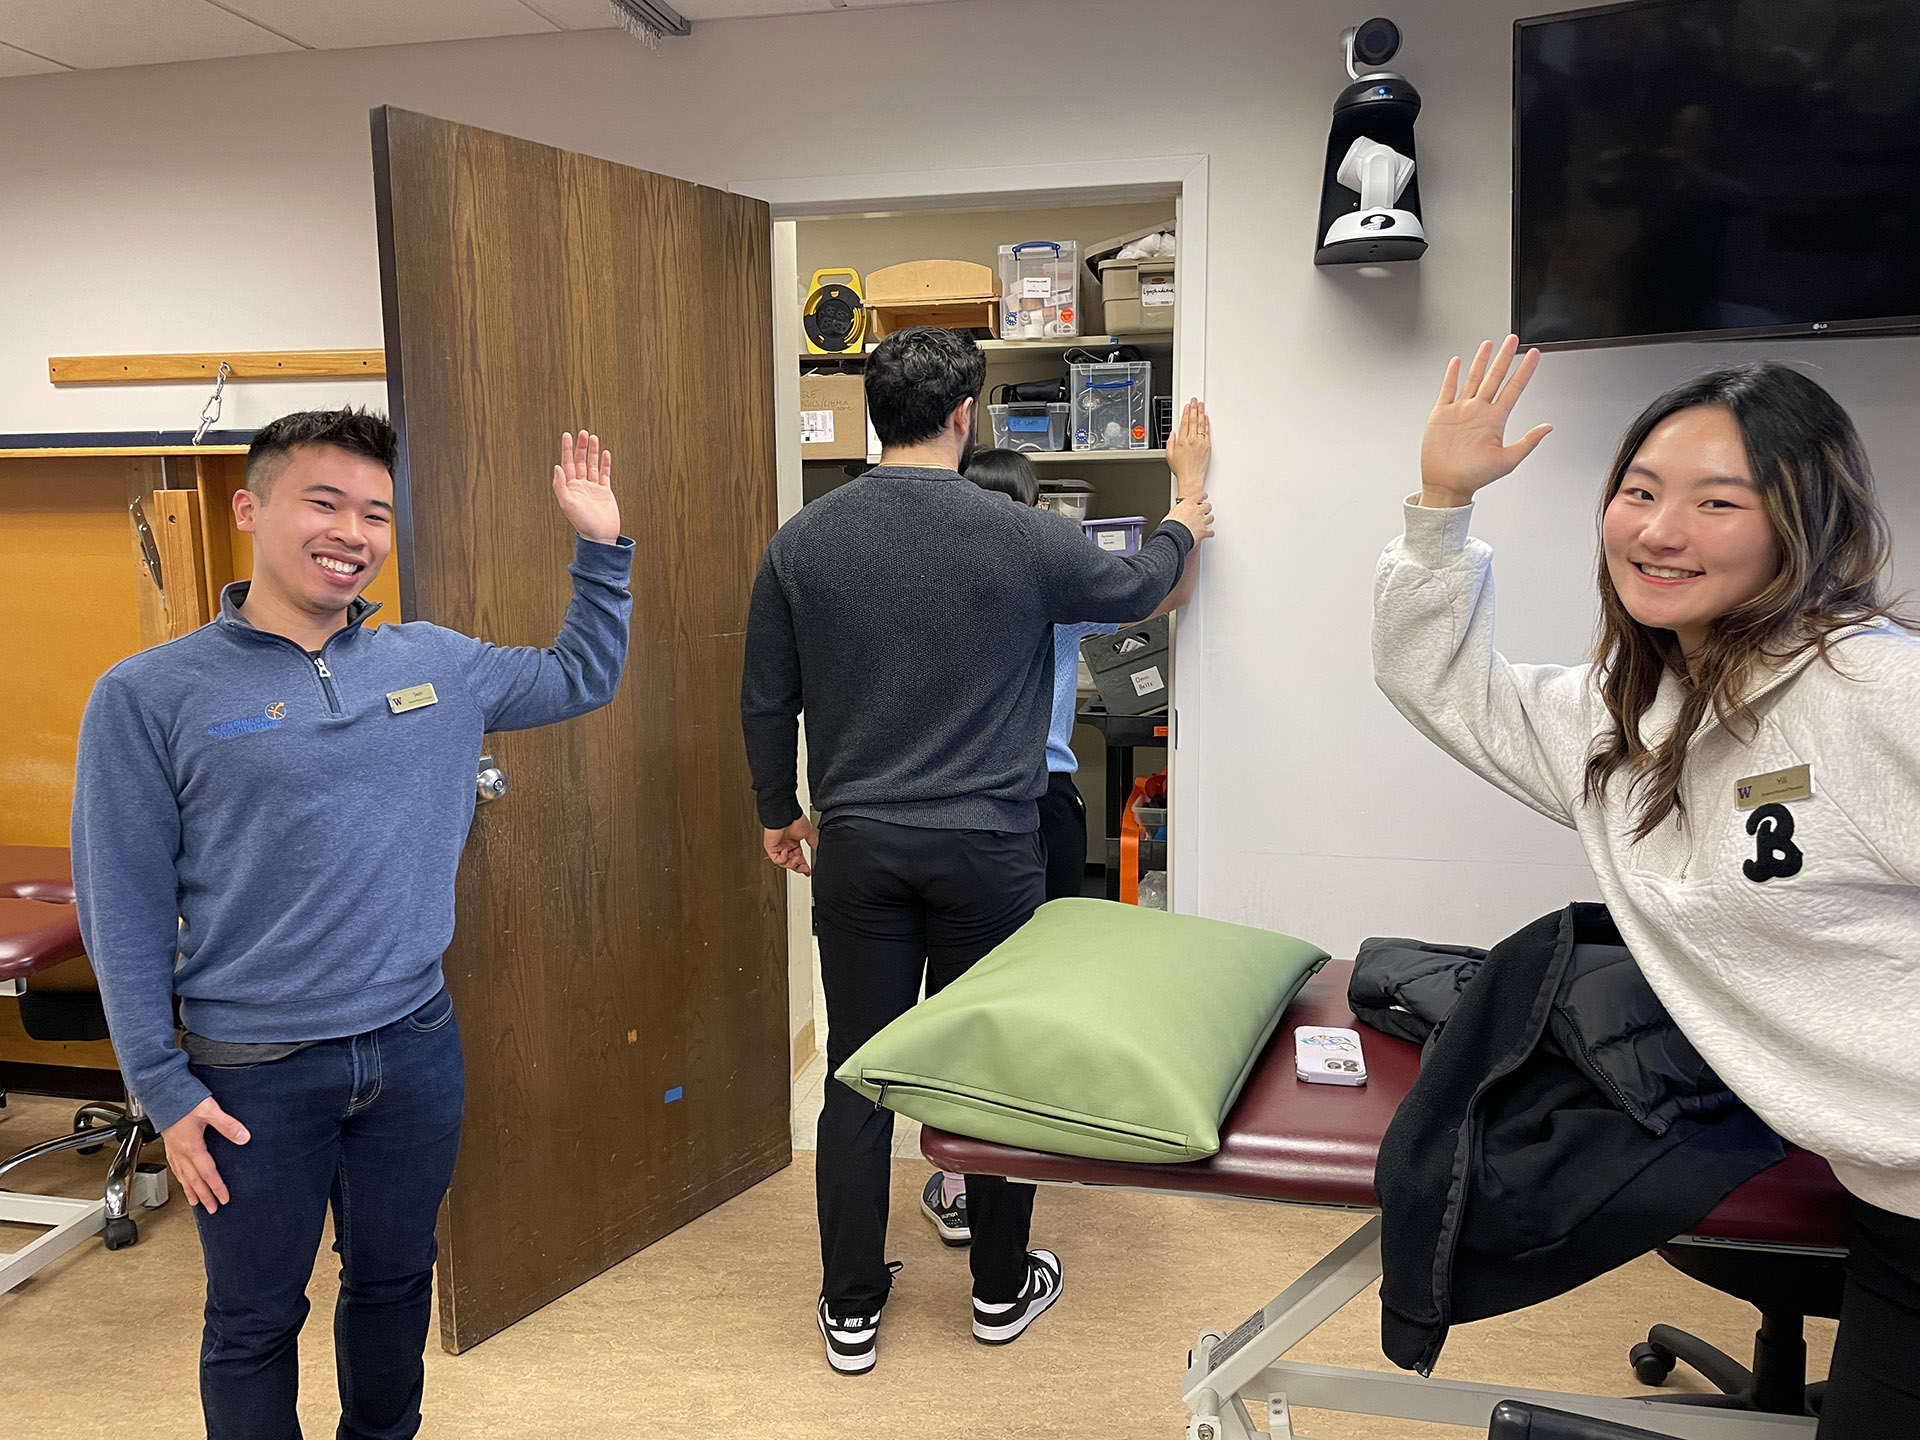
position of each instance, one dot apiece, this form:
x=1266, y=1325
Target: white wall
x=229, y=203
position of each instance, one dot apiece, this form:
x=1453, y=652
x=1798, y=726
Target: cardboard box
x=833, y=417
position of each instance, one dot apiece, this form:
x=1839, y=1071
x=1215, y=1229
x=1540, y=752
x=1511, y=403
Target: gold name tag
x=414, y=697
x=1774, y=789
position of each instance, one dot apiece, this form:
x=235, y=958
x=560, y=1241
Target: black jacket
x=1561, y=1125
x=1409, y=987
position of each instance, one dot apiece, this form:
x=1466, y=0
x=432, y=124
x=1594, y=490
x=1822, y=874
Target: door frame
x=1058, y=184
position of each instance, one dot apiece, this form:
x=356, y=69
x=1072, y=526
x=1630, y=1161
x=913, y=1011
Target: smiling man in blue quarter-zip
x=267, y=819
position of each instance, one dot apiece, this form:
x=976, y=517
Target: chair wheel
x=80, y=1127
x=120, y=1233
x=1652, y=1364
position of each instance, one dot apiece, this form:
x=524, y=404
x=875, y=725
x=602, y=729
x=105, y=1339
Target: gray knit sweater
x=910, y=616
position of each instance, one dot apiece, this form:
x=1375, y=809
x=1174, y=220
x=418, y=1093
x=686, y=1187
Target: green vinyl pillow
x=1094, y=1029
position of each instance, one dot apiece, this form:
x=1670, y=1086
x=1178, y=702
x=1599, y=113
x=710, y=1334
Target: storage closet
x=1121, y=483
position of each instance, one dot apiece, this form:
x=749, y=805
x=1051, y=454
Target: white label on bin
x=1146, y=681
x=1156, y=292
x=816, y=427
x=1036, y=287
x=1111, y=539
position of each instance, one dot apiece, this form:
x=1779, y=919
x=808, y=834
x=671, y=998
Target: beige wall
x=229, y=203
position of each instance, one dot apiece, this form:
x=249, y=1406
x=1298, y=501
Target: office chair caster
x=1652, y=1364
x=94, y=1117
x=120, y=1232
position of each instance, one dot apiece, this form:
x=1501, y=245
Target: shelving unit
x=1157, y=340
x=1098, y=457
x=1125, y=482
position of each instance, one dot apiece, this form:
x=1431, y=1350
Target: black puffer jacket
x=1561, y=1125
x=1409, y=987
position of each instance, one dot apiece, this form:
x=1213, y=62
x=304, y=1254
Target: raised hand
x=1465, y=449
x=583, y=484
x=1190, y=450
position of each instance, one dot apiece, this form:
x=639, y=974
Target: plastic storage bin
x=1132, y=669
x=1121, y=536
x=1040, y=290
x=1070, y=498
x=1111, y=402
x=1030, y=426
x=1137, y=295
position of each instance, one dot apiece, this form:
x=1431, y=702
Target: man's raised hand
x=1465, y=449
x=583, y=484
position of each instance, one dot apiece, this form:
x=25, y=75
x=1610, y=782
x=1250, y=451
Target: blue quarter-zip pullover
x=264, y=834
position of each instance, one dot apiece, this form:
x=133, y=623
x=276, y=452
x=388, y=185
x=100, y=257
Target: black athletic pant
x=1063, y=835
x=1873, y=1385
x=891, y=902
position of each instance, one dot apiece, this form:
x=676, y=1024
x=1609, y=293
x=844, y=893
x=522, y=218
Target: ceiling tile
x=574, y=14
x=697, y=10
x=94, y=34
x=18, y=62
x=347, y=24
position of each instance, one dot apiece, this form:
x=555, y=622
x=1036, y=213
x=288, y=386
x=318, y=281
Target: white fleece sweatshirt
x=1784, y=939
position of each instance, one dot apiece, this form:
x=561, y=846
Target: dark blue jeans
x=369, y=1124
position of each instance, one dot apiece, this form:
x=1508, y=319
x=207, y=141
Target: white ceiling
x=42, y=36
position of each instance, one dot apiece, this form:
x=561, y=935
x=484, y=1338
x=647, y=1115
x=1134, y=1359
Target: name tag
x=1776, y=788
x=414, y=697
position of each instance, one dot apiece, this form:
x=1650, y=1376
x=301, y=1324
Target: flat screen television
x=1704, y=169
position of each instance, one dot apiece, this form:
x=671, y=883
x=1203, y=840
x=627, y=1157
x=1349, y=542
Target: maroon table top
x=39, y=925
x=50, y=865
x=1286, y=1140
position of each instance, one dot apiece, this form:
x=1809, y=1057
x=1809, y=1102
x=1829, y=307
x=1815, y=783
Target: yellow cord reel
x=835, y=317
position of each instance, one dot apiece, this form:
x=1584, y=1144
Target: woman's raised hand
x=1465, y=449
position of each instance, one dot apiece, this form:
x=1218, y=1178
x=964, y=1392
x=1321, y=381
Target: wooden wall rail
x=241, y=365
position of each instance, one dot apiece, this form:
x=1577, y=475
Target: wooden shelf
x=1039, y=457
x=1162, y=339
x=1107, y=457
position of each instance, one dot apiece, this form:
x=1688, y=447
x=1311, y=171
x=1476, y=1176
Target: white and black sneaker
x=852, y=1340
x=947, y=1209
x=1003, y=1324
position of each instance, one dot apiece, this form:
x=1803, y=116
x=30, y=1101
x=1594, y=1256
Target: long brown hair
x=1816, y=490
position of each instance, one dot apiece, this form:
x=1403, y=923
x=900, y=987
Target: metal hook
x=210, y=412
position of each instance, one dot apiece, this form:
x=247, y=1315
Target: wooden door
x=619, y=966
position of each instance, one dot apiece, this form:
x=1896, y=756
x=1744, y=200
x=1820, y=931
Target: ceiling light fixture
x=649, y=20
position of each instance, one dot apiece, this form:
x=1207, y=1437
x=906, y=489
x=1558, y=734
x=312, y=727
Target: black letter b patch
x=1772, y=827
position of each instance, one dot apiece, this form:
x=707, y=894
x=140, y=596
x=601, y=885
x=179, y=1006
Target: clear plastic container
x=1040, y=290
x=1153, y=890
x=1121, y=536
x=1111, y=403
x=1071, y=498
x=1030, y=425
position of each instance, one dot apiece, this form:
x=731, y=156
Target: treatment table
x=39, y=932
x=1290, y=1143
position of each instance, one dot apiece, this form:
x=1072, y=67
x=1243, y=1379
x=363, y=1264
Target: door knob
x=491, y=782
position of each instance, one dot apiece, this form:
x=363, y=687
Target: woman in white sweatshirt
x=1741, y=760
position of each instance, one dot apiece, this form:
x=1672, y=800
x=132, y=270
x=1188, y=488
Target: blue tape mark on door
x=673, y=1095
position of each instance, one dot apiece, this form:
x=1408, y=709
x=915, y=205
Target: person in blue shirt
x=1063, y=812
x=268, y=814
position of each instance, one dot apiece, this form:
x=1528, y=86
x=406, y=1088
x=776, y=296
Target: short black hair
x=358, y=431
x=1007, y=471
x=916, y=378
